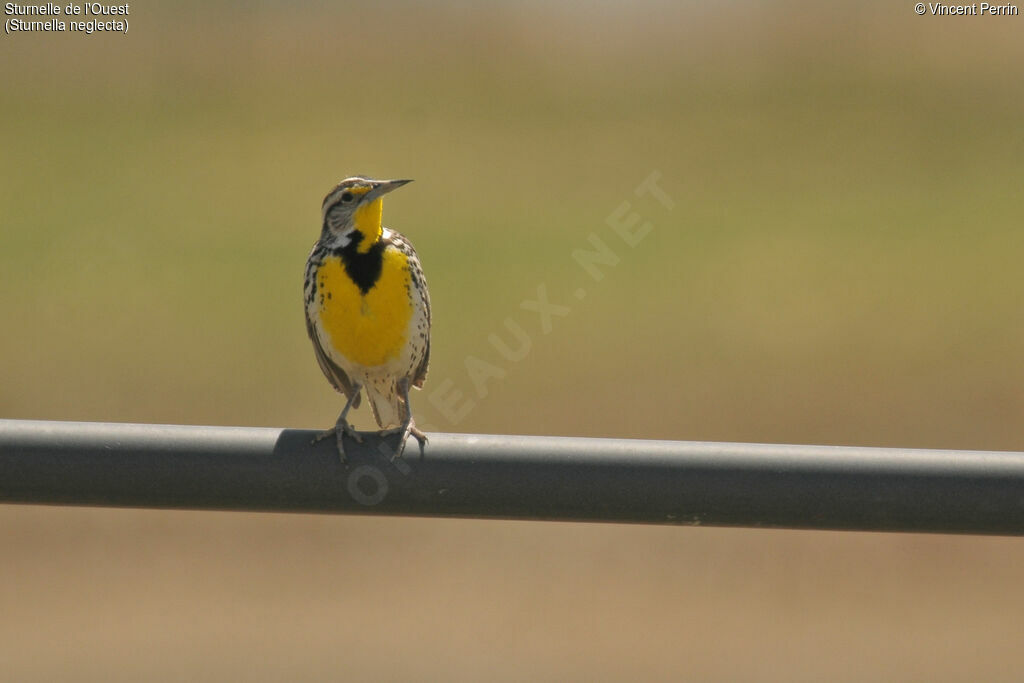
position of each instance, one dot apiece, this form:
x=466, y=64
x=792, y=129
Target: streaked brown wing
x=421, y=371
x=399, y=241
x=420, y=376
x=334, y=373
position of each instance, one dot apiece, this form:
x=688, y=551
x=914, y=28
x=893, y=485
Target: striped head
x=352, y=212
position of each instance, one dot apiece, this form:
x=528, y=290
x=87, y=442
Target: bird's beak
x=382, y=187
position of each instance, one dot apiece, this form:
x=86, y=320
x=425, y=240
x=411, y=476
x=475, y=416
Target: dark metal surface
x=517, y=477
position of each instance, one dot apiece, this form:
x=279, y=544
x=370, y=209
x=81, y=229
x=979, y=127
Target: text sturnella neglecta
x=367, y=309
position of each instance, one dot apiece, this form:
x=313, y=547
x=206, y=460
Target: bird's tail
x=388, y=407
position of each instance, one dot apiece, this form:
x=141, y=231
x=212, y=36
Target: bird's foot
x=405, y=430
x=323, y=435
x=419, y=435
x=339, y=431
x=346, y=428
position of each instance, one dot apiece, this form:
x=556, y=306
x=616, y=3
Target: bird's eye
x=346, y=197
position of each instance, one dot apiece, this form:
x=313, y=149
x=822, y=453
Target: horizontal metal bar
x=514, y=477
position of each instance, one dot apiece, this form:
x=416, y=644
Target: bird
x=368, y=311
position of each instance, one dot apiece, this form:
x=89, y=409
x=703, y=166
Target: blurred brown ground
x=842, y=265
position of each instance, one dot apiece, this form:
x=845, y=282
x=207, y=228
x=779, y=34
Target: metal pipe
x=514, y=477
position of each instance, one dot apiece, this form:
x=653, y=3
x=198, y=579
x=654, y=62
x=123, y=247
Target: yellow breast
x=369, y=329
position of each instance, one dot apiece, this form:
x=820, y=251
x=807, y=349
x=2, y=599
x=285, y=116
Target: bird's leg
x=342, y=426
x=409, y=426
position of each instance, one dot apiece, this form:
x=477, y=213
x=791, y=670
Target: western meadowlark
x=367, y=309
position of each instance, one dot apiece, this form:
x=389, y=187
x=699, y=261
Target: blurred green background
x=842, y=265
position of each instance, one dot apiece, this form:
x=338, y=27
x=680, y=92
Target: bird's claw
x=339, y=431
x=404, y=431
